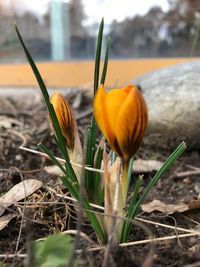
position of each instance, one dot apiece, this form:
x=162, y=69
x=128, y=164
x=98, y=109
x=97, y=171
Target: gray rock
x=173, y=99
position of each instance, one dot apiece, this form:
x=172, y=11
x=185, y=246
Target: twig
x=193, y=167
x=157, y=239
x=187, y=173
x=73, y=199
x=175, y=228
x=168, y=226
x=195, y=264
x=135, y=243
x=22, y=147
x=59, y=159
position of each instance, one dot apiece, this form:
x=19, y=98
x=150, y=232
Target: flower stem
x=124, y=179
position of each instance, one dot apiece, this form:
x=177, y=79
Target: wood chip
x=6, y=122
x=195, y=204
x=4, y=220
x=145, y=166
x=19, y=192
x=157, y=205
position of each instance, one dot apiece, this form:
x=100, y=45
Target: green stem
x=124, y=179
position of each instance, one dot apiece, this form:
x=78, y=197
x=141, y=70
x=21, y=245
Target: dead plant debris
x=175, y=234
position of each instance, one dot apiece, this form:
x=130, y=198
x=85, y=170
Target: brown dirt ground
x=28, y=118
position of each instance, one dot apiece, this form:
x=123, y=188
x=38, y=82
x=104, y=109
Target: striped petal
x=121, y=115
x=131, y=122
x=65, y=118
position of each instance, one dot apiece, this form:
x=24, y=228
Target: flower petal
x=131, y=122
x=100, y=114
x=65, y=118
x=106, y=107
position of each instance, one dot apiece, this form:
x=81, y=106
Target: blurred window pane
x=56, y=30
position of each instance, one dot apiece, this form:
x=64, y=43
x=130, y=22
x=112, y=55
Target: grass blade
x=131, y=207
x=91, y=134
x=74, y=190
x=98, y=56
x=130, y=170
x=59, y=137
x=105, y=66
x=94, y=221
x=68, y=180
x=97, y=175
x=166, y=166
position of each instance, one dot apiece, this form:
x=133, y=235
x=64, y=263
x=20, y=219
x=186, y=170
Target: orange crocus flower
x=121, y=115
x=65, y=118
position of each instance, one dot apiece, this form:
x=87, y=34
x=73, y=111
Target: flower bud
x=65, y=118
x=121, y=115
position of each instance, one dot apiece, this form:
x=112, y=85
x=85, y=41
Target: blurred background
x=57, y=30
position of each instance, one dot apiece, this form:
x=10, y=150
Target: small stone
x=18, y=157
x=187, y=181
x=173, y=99
x=197, y=188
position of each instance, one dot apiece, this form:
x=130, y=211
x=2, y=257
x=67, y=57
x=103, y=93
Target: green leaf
x=165, y=167
x=97, y=175
x=105, y=66
x=91, y=133
x=74, y=189
x=59, y=137
x=130, y=170
x=131, y=207
x=94, y=221
x=98, y=56
x=91, y=179
x=69, y=179
x=55, y=251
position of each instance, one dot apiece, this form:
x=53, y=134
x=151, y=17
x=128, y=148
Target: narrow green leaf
x=44, y=91
x=98, y=56
x=91, y=133
x=33, y=66
x=69, y=180
x=89, y=157
x=105, y=66
x=130, y=170
x=166, y=166
x=94, y=221
x=132, y=206
x=58, y=133
x=97, y=175
x=74, y=190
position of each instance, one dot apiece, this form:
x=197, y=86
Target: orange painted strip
x=80, y=73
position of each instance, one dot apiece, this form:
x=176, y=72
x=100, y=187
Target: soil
x=23, y=119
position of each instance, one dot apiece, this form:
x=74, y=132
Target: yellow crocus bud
x=69, y=130
x=121, y=115
x=65, y=118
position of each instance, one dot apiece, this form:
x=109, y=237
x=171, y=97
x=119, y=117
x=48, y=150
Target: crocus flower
x=65, y=118
x=121, y=115
x=69, y=130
